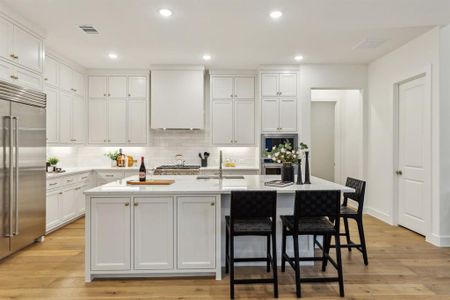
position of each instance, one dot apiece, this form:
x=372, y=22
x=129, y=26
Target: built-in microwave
x=268, y=141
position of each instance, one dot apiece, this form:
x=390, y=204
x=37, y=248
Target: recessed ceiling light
x=298, y=58
x=206, y=57
x=276, y=14
x=112, y=55
x=165, y=12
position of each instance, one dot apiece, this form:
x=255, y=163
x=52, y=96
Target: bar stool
x=313, y=212
x=252, y=213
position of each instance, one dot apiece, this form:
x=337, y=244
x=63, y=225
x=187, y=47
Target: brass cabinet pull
x=13, y=56
x=46, y=79
x=127, y=204
x=14, y=77
x=136, y=204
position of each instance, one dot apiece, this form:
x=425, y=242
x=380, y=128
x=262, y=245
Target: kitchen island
x=174, y=230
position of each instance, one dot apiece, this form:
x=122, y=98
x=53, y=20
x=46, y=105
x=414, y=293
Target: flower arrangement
x=284, y=154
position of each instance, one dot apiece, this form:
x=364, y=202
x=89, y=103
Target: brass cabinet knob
x=136, y=204
x=212, y=204
x=127, y=204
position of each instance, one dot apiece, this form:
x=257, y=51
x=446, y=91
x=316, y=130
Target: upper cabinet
x=51, y=72
x=21, y=47
x=70, y=80
x=137, y=87
x=278, y=102
x=233, y=110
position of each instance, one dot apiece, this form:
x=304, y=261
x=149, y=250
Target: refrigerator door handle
x=16, y=165
x=11, y=175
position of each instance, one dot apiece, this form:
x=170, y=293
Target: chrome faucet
x=220, y=165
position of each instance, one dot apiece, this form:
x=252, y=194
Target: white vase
x=113, y=163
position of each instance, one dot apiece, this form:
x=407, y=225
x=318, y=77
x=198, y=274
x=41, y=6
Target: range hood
x=177, y=97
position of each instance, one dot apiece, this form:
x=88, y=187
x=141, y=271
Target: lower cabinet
x=69, y=204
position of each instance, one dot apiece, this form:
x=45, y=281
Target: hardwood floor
x=401, y=266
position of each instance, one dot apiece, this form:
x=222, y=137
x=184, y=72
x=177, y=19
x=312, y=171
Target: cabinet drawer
x=83, y=178
x=68, y=180
x=108, y=175
x=53, y=183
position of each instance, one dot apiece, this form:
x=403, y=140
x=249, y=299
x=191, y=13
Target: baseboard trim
x=379, y=215
x=438, y=240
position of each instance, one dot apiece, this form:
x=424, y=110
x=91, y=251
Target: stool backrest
x=253, y=204
x=360, y=189
x=312, y=204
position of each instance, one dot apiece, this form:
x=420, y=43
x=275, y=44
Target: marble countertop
x=188, y=184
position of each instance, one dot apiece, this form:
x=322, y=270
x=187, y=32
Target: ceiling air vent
x=369, y=43
x=89, y=29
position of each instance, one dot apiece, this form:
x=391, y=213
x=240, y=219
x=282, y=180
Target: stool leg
x=227, y=251
x=231, y=266
x=362, y=240
x=268, y=253
x=283, y=249
x=347, y=233
x=274, y=266
x=339, y=263
x=297, y=266
x=326, y=251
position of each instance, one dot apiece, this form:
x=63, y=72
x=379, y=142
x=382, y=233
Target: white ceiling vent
x=369, y=43
x=89, y=29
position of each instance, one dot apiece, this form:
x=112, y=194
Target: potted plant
x=113, y=157
x=286, y=155
x=53, y=161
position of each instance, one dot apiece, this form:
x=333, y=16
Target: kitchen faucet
x=220, y=165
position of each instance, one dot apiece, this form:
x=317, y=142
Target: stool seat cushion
x=257, y=225
x=318, y=225
x=345, y=210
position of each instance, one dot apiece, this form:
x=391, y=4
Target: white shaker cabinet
x=153, y=233
x=244, y=87
x=222, y=87
x=244, y=122
x=6, y=39
x=117, y=121
x=137, y=121
x=222, y=121
x=288, y=85
x=78, y=120
x=69, y=204
x=97, y=87
x=53, y=211
x=70, y=80
x=196, y=232
x=52, y=114
x=137, y=87
x=288, y=114
x=282, y=84
x=110, y=232
x=71, y=118
x=98, y=120
x=51, y=71
x=117, y=87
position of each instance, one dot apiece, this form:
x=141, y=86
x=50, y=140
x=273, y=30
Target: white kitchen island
x=174, y=230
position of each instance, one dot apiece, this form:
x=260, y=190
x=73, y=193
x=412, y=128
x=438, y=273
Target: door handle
x=11, y=176
x=399, y=172
x=16, y=158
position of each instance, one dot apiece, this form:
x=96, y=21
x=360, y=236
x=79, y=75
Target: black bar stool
x=252, y=213
x=313, y=212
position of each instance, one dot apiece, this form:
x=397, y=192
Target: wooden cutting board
x=151, y=182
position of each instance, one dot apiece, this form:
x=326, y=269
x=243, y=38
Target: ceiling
x=236, y=33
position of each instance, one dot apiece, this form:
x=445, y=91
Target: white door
x=244, y=87
x=97, y=87
x=137, y=121
x=137, y=87
x=69, y=204
x=117, y=121
x=65, y=118
x=222, y=121
x=270, y=114
x=196, y=238
x=413, y=155
x=269, y=85
x=52, y=114
x=29, y=49
x=78, y=119
x=6, y=39
x=117, y=87
x=244, y=122
x=222, y=87
x=51, y=71
x=288, y=85
x=288, y=115
x=78, y=83
x=65, y=78
x=53, y=213
x=110, y=234
x=98, y=120
x=153, y=233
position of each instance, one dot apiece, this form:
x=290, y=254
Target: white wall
x=411, y=59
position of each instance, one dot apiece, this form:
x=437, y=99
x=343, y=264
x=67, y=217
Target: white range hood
x=177, y=97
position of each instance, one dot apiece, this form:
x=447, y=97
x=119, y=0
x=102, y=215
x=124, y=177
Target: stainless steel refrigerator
x=22, y=167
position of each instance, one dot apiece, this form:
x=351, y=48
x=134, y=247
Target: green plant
x=303, y=146
x=112, y=155
x=53, y=161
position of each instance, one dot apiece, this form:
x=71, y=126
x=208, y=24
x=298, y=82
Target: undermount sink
x=223, y=177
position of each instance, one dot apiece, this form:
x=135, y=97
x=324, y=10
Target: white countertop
x=188, y=184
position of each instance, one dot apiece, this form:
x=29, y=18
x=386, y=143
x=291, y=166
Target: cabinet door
x=6, y=70
x=222, y=87
x=6, y=39
x=288, y=115
x=117, y=87
x=97, y=87
x=244, y=122
x=51, y=71
x=78, y=83
x=244, y=87
x=98, y=120
x=137, y=121
x=269, y=85
x=65, y=78
x=28, y=79
x=110, y=234
x=65, y=118
x=78, y=119
x=53, y=213
x=29, y=49
x=222, y=121
x=288, y=85
x=270, y=115
x=153, y=233
x=137, y=87
x=196, y=227
x=80, y=200
x=117, y=121
x=52, y=114
x=69, y=204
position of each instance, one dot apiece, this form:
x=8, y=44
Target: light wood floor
x=401, y=266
